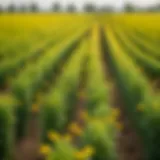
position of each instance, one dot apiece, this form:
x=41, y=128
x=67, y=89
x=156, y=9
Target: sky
x=79, y=3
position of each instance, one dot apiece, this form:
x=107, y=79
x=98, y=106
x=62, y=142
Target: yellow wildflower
x=53, y=136
x=45, y=150
x=75, y=129
x=79, y=155
x=88, y=151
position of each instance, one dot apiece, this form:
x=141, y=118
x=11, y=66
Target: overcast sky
x=79, y=3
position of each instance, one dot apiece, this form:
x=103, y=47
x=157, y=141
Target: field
x=79, y=87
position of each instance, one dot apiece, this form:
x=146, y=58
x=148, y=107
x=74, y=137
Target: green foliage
x=60, y=102
x=98, y=135
x=62, y=150
x=7, y=125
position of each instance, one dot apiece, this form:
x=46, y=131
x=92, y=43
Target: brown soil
x=78, y=119
x=129, y=146
x=28, y=147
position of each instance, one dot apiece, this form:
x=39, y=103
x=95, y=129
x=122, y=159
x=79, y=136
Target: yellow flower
x=45, y=150
x=85, y=153
x=53, y=136
x=88, y=151
x=75, y=129
x=35, y=108
x=79, y=155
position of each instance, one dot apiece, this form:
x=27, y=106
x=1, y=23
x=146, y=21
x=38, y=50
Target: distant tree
x=129, y=7
x=158, y=7
x=71, y=8
x=155, y=8
x=107, y=9
x=23, y=8
x=56, y=7
x=149, y=9
x=1, y=9
x=89, y=7
x=34, y=7
x=11, y=8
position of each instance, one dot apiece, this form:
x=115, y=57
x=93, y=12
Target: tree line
x=88, y=7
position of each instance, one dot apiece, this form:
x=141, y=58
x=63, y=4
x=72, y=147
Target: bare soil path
x=28, y=147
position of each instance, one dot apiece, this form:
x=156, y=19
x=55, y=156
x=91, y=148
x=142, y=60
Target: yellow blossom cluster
x=54, y=136
x=45, y=150
x=85, y=153
x=75, y=129
x=82, y=154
